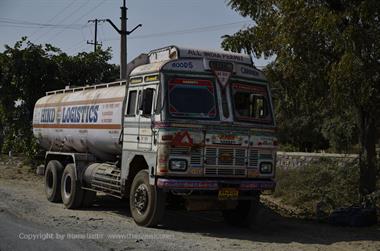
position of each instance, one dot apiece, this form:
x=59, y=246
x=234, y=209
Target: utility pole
x=95, y=41
x=123, y=39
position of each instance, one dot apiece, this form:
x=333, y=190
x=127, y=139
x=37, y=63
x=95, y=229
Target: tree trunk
x=1, y=135
x=367, y=154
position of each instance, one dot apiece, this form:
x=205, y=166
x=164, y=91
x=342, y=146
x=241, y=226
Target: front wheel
x=146, y=202
x=244, y=213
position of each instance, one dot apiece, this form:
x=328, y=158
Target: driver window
x=132, y=98
x=147, y=101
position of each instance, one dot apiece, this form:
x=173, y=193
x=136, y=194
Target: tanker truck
x=189, y=127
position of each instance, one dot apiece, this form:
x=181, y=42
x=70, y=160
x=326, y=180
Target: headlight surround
x=179, y=165
x=266, y=167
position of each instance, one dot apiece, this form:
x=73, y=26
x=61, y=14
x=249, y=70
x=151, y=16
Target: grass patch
x=326, y=181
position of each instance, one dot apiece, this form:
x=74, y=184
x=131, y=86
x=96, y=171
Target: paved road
x=17, y=234
x=24, y=209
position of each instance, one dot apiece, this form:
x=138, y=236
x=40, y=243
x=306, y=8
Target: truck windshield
x=192, y=98
x=251, y=103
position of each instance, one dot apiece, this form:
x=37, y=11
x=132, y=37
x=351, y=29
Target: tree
x=27, y=71
x=327, y=58
x=87, y=68
x=1, y=109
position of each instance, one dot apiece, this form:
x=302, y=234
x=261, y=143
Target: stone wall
x=291, y=160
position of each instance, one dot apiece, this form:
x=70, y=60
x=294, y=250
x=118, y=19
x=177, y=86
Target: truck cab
x=203, y=121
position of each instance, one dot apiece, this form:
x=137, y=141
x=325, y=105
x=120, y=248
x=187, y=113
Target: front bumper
x=211, y=185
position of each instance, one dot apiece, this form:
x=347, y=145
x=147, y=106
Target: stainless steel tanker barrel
x=85, y=120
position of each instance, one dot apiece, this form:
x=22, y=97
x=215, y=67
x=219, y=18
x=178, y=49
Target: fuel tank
x=86, y=120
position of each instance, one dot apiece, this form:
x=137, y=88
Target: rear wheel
x=53, y=175
x=244, y=214
x=146, y=202
x=71, y=192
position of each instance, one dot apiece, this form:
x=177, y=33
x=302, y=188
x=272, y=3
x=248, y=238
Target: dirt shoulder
x=108, y=225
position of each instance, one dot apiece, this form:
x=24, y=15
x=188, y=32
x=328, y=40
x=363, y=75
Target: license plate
x=228, y=193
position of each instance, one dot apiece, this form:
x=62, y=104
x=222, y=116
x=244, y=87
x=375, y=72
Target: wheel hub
x=67, y=187
x=141, y=198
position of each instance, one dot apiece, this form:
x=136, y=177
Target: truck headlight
x=266, y=167
x=178, y=165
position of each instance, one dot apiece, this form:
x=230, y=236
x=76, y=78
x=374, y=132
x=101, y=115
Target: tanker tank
x=82, y=120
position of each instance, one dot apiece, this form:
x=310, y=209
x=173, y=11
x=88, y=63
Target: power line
x=76, y=44
x=18, y=21
x=81, y=17
x=11, y=20
x=41, y=27
x=79, y=48
x=66, y=17
x=27, y=24
x=185, y=31
x=15, y=21
x=102, y=31
x=55, y=16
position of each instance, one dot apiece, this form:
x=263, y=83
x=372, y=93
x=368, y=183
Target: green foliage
x=288, y=148
x=342, y=131
x=21, y=141
x=27, y=71
x=325, y=61
x=87, y=68
x=326, y=181
x=325, y=76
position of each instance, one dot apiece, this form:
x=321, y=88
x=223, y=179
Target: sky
x=64, y=24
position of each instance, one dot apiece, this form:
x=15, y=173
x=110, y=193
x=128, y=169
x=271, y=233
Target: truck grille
x=215, y=171
x=267, y=156
x=195, y=154
x=223, y=162
x=196, y=157
x=225, y=157
x=253, y=158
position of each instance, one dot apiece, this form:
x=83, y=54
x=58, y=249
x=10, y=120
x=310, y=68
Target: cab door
x=147, y=97
x=131, y=119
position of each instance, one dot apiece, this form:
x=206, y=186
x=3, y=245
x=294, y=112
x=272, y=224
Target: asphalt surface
x=18, y=234
x=29, y=222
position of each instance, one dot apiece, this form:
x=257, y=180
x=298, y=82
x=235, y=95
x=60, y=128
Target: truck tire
x=88, y=198
x=53, y=175
x=244, y=214
x=71, y=191
x=146, y=202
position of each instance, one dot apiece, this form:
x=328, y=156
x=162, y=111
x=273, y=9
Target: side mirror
x=147, y=102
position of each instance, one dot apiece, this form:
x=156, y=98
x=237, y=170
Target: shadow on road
x=269, y=227
x=110, y=204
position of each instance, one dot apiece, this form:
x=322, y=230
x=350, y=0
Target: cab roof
x=176, y=52
x=158, y=58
